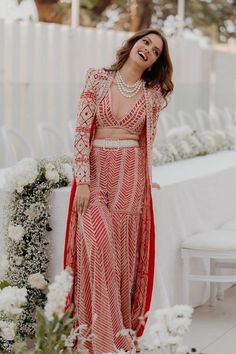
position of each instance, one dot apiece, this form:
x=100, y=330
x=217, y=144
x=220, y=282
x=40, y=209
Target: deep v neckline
x=127, y=113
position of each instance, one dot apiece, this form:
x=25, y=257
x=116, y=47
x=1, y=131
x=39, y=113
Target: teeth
x=143, y=55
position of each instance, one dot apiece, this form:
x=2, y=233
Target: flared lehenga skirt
x=107, y=248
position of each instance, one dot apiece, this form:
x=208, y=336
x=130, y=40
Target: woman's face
x=147, y=50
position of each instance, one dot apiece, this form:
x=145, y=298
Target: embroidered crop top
x=133, y=121
x=97, y=81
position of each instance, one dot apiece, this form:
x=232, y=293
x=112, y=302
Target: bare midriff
x=114, y=133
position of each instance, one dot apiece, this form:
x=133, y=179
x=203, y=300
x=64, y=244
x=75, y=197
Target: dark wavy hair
x=161, y=71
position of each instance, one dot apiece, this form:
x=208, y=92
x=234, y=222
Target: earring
x=149, y=69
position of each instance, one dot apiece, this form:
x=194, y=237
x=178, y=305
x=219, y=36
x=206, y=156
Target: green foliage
x=3, y=284
x=50, y=336
x=89, y=4
x=214, y=18
x=20, y=347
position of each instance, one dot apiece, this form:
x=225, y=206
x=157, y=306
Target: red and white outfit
x=111, y=247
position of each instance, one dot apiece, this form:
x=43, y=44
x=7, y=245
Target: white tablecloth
x=196, y=194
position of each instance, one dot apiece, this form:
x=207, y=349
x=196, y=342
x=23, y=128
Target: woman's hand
x=82, y=196
x=156, y=185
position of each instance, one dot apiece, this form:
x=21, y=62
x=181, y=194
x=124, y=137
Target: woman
x=110, y=230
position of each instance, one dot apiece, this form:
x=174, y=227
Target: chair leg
x=220, y=289
x=186, y=272
x=213, y=286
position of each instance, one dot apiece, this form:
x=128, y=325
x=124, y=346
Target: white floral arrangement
x=12, y=299
x=56, y=332
x=184, y=143
x=26, y=223
x=55, y=329
x=166, y=335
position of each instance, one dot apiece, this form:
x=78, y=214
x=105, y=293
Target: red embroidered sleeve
x=81, y=148
x=159, y=104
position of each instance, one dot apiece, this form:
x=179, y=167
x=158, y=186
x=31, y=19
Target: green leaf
x=41, y=328
x=4, y=284
x=20, y=347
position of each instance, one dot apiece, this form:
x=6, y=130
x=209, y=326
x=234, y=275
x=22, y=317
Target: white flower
x=51, y=173
x=182, y=311
x=12, y=299
x=4, y=265
x=160, y=314
x=57, y=294
x=35, y=211
x=125, y=332
x=170, y=326
x=209, y=142
x=16, y=232
x=195, y=144
x=7, y=330
x=156, y=344
x=175, y=340
x=157, y=157
x=23, y=173
x=67, y=171
x=158, y=327
x=184, y=147
x=37, y=281
x=179, y=319
x=231, y=135
x=18, y=260
x=179, y=133
x=183, y=349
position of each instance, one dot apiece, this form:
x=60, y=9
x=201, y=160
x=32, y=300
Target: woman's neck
x=130, y=73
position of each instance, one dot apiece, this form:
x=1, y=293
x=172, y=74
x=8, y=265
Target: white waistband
x=115, y=143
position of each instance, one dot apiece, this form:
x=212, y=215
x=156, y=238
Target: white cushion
x=214, y=240
x=230, y=225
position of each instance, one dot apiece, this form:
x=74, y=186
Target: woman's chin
x=139, y=63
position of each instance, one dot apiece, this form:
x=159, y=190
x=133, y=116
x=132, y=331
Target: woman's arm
x=81, y=148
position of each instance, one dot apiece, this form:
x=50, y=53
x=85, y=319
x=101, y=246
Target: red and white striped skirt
x=107, y=245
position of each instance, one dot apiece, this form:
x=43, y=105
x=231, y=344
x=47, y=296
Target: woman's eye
x=145, y=41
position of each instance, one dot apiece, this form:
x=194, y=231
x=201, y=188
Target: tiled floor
x=213, y=329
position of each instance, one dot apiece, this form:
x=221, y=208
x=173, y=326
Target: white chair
x=228, y=264
x=186, y=118
x=215, y=120
x=229, y=116
x=216, y=246
x=15, y=146
x=168, y=121
x=202, y=120
x=51, y=140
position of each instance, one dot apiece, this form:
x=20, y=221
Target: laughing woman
x=110, y=239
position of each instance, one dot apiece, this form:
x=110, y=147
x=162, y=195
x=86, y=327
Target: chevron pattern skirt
x=108, y=248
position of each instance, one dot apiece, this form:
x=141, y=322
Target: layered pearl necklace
x=125, y=89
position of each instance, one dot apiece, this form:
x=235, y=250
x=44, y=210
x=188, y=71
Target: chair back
x=15, y=145
x=51, y=141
